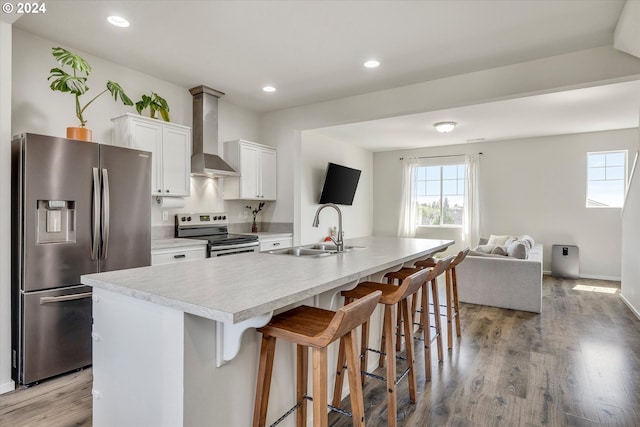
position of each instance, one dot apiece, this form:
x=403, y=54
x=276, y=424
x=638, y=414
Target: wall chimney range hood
x=205, y=128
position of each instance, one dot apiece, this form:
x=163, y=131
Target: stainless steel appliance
x=214, y=227
x=77, y=208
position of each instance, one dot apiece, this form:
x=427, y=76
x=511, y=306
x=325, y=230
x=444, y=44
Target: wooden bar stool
x=392, y=296
x=436, y=270
x=451, y=306
x=316, y=328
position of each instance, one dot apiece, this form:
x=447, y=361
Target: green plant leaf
x=76, y=62
x=64, y=82
x=116, y=91
x=156, y=104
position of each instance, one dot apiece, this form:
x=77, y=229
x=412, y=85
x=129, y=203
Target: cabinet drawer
x=166, y=256
x=271, y=244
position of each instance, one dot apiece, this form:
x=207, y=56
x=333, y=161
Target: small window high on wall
x=606, y=179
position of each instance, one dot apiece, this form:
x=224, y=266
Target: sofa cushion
x=491, y=249
x=484, y=254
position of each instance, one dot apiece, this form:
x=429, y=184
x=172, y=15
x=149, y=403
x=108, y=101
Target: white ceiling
x=599, y=108
x=313, y=51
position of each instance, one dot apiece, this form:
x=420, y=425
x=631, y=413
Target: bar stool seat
x=316, y=328
x=391, y=297
x=452, y=303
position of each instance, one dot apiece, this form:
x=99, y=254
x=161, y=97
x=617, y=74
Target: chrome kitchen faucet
x=316, y=221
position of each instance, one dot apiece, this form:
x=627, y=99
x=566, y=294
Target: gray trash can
x=565, y=262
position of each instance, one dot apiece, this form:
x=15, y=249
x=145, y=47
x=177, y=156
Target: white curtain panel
x=471, y=226
x=407, y=223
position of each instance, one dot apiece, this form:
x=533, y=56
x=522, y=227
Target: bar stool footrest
x=309, y=398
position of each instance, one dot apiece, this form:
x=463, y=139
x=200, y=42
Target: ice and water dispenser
x=56, y=221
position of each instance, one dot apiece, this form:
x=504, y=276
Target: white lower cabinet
x=167, y=256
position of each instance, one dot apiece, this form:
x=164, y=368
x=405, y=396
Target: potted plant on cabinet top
x=76, y=84
x=156, y=104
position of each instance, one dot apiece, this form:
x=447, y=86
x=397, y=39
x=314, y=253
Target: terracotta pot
x=79, y=133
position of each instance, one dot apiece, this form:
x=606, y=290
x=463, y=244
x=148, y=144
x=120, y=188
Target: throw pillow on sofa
x=528, y=240
x=518, y=249
x=495, y=240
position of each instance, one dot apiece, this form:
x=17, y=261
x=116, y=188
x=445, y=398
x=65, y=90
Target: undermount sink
x=303, y=252
x=331, y=247
x=316, y=250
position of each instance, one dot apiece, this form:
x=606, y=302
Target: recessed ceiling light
x=269, y=89
x=118, y=21
x=444, y=127
x=372, y=63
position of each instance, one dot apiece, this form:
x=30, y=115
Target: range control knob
x=215, y=218
x=183, y=219
x=188, y=218
x=223, y=217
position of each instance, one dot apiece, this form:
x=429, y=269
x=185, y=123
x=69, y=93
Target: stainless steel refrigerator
x=77, y=208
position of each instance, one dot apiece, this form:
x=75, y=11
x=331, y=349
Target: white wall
x=532, y=186
x=357, y=220
x=6, y=384
x=626, y=39
x=630, y=289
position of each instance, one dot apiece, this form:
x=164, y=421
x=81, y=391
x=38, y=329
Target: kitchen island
x=157, y=330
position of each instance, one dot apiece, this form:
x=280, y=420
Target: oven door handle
x=234, y=246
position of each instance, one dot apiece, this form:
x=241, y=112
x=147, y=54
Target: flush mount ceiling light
x=118, y=21
x=444, y=127
x=269, y=89
x=372, y=63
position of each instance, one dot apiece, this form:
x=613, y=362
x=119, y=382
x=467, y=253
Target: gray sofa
x=502, y=281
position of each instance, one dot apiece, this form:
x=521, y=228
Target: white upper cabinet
x=170, y=145
x=256, y=165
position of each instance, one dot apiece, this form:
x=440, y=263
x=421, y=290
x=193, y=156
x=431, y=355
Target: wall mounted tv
x=340, y=185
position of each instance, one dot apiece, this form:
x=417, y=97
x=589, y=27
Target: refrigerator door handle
x=63, y=298
x=95, y=235
x=105, y=214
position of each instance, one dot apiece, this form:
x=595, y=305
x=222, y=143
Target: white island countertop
x=235, y=288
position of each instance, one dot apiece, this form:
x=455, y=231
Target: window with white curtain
x=440, y=194
x=606, y=179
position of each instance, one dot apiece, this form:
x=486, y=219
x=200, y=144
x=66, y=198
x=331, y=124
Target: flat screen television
x=340, y=185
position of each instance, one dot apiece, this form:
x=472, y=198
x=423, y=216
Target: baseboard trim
x=7, y=387
x=593, y=276
x=631, y=307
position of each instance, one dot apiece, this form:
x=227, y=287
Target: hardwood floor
x=64, y=401
x=576, y=364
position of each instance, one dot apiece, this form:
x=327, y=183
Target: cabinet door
x=249, y=158
x=176, y=157
x=148, y=137
x=267, y=174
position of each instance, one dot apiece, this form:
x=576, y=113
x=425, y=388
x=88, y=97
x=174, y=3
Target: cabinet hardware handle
x=167, y=191
x=276, y=244
x=179, y=256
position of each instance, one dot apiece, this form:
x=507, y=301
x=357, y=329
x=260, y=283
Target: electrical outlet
x=165, y=215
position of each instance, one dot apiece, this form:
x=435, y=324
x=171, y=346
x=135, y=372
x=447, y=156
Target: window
x=606, y=179
x=440, y=194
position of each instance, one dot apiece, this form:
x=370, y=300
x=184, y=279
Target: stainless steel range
x=214, y=227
